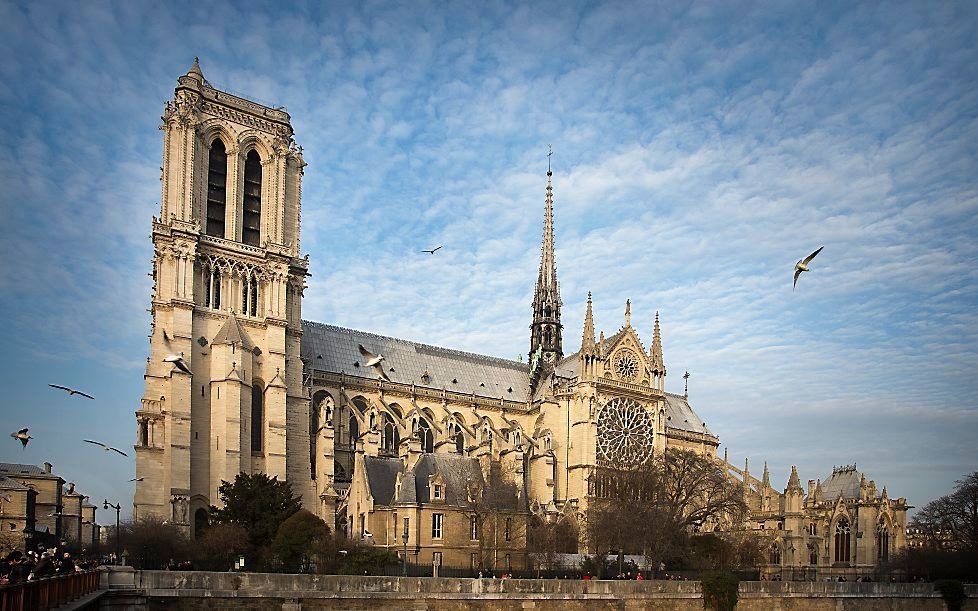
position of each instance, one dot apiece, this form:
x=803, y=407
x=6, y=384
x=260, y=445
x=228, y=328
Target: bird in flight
x=374, y=360
x=802, y=265
x=432, y=251
x=71, y=391
x=22, y=436
x=105, y=447
x=172, y=356
x=137, y=479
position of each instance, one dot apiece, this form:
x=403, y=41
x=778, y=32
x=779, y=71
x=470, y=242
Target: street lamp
x=118, y=508
x=404, y=559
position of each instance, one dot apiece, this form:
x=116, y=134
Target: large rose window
x=626, y=364
x=625, y=432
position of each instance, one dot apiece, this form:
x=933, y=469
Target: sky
x=700, y=149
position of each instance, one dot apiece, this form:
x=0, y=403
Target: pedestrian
x=639, y=577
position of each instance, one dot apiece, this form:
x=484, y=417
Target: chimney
x=47, y=468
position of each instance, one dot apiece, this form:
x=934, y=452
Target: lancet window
x=842, y=540
x=249, y=294
x=251, y=219
x=391, y=437
x=211, y=284
x=882, y=542
x=257, y=416
x=217, y=187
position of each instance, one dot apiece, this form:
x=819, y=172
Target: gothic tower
x=545, y=332
x=224, y=375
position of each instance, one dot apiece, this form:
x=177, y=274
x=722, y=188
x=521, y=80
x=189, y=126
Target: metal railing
x=48, y=593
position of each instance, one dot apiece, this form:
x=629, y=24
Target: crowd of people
x=18, y=567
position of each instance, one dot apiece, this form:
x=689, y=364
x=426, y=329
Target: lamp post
x=404, y=559
x=118, y=507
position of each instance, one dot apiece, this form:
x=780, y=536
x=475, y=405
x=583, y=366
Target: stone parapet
x=153, y=589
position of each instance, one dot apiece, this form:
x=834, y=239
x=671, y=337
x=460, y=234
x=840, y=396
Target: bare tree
x=652, y=508
x=951, y=521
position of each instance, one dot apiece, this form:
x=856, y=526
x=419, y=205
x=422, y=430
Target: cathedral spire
x=587, y=341
x=766, y=477
x=545, y=332
x=658, y=365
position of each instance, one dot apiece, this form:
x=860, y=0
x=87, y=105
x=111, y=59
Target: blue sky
x=700, y=150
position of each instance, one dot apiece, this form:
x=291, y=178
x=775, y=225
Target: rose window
x=626, y=364
x=624, y=433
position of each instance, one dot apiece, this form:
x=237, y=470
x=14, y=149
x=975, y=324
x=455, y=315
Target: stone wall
x=197, y=590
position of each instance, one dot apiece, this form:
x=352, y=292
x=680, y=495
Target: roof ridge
x=483, y=357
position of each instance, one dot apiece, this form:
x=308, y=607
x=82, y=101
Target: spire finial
x=686, y=387
x=550, y=153
x=546, y=328
x=628, y=312
x=587, y=341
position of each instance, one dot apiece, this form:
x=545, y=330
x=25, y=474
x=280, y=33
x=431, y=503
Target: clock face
x=625, y=433
x=626, y=364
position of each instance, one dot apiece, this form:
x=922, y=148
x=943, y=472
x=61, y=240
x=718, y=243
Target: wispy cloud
x=700, y=150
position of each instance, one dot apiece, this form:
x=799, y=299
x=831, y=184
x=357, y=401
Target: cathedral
x=426, y=450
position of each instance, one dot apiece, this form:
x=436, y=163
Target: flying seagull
x=172, y=356
x=71, y=391
x=137, y=479
x=802, y=265
x=22, y=436
x=432, y=251
x=105, y=447
x=374, y=360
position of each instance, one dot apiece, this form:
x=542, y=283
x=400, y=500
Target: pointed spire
x=601, y=344
x=545, y=331
x=794, y=482
x=725, y=461
x=656, y=350
x=587, y=340
x=628, y=312
x=818, y=490
x=766, y=478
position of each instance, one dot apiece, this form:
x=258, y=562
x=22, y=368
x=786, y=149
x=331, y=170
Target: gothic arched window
x=813, y=555
x=354, y=429
x=200, y=522
x=842, y=538
x=257, y=416
x=217, y=188
x=251, y=221
x=425, y=436
x=882, y=542
x=249, y=294
x=211, y=281
x=459, y=438
x=391, y=437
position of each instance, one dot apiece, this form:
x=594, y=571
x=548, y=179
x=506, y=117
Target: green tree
x=302, y=543
x=152, y=542
x=257, y=503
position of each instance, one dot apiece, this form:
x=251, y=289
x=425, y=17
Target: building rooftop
x=336, y=350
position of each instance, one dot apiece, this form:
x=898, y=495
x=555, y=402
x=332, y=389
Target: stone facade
x=228, y=284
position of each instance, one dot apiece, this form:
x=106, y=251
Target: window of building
x=407, y=530
x=775, y=555
x=251, y=220
x=474, y=528
x=436, y=525
x=508, y=533
x=436, y=558
x=842, y=539
x=391, y=438
x=811, y=529
x=473, y=560
x=509, y=563
x=217, y=187
x=813, y=555
x=425, y=436
x=882, y=542
x=257, y=416
x=211, y=284
x=438, y=491
x=249, y=295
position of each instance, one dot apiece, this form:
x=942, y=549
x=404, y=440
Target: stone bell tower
x=223, y=377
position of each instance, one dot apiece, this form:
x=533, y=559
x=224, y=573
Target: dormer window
x=438, y=492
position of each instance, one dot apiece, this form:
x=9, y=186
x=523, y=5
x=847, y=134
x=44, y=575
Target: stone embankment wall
x=260, y=591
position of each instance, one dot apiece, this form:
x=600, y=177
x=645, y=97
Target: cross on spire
x=686, y=385
x=550, y=153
